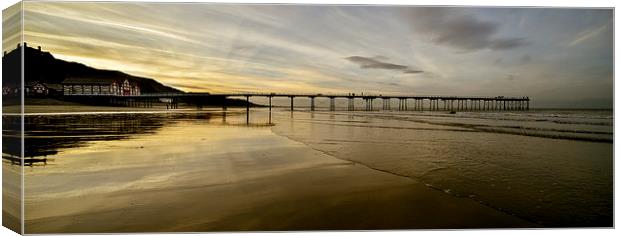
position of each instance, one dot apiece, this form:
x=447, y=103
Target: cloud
x=509, y=43
x=376, y=63
x=590, y=33
x=464, y=32
x=413, y=71
x=525, y=59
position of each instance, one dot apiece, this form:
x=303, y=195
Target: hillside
x=41, y=66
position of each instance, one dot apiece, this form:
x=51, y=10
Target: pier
x=405, y=103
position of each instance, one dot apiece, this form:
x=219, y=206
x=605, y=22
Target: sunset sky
x=558, y=57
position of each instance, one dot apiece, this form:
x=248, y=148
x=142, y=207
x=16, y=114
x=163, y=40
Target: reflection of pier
x=247, y=120
x=47, y=135
x=16, y=160
x=405, y=103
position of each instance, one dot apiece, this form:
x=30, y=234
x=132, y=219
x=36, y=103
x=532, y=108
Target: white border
x=523, y=3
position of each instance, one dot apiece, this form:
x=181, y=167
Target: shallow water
x=549, y=167
x=552, y=167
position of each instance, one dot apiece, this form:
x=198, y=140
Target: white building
x=100, y=86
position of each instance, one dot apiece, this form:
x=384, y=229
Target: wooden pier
x=405, y=103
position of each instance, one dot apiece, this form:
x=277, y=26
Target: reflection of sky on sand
x=186, y=153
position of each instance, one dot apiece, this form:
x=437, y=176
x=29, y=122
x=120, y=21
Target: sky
x=559, y=57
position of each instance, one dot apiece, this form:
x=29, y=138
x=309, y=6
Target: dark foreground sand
x=322, y=198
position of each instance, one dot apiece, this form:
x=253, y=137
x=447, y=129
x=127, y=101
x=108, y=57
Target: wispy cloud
x=587, y=34
x=376, y=63
x=11, y=27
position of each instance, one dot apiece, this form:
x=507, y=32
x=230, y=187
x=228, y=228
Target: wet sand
x=11, y=195
x=84, y=108
x=214, y=177
x=316, y=198
x=332, y=195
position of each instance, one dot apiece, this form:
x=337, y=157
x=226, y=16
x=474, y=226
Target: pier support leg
x=351, y=103
x=292, y=103
x=332, y=104
x=514, y=105
x=348, y=104
x=312, y=103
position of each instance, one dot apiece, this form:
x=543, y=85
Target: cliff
x=43, y=67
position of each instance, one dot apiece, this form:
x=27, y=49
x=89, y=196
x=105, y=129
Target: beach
x=179, y=171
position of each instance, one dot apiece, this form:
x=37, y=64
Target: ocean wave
x=566, y=130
